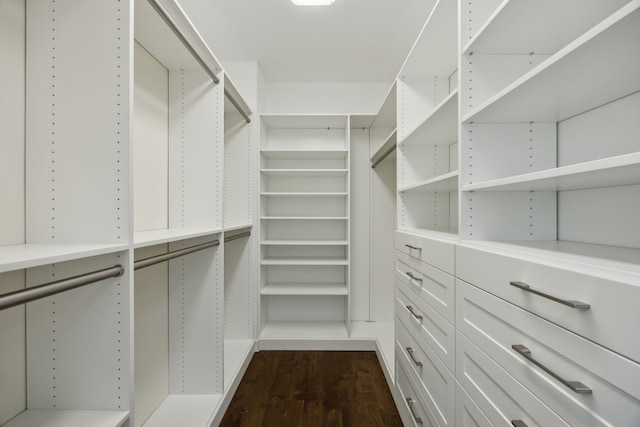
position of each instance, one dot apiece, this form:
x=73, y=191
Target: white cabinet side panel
x=196, y=321
x=151, y=344
x=77, y=116
x=361, y=281
x=196, y=161
x=13, y=387
x=150, y=142
x=78, y=341
x=12, y=70
x=239, y=170
x=238, y=289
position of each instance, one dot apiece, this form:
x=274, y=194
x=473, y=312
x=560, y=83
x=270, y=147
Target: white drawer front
x=500, y=397
x=434, y=382
x=438, y=253
x=495, y=326
x=433, y=286
x=468, y=414
x=426, y=324
x=612, y=319
x=412, y=403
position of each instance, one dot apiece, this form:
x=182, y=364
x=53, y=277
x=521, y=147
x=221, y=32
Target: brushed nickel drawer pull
x=417, y=362
x=413, y=247
x=573, y=304
x=575, y=386
x=410, y=402
x=518, y=423
x=417, y=279
x=417, y=316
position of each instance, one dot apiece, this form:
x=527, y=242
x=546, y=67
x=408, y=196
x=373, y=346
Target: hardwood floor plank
x=312, y=389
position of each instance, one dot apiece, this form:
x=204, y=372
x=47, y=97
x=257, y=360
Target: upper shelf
x=304, y=172
x=18, y=257
x=435, y=50
x=165, y=31
x=305, y=121
x=600, y=66
x=441, y=126
x=541, y=26
x=385, y=149
x=167, y=235
x=612, y=171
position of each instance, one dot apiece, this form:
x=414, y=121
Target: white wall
x=322, y=98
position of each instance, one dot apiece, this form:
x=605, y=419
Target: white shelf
x=309, y=218
x=305, y=154
x=386, y=148
x=68, y=418
x=238, y=227
x=184, y=410
x=612, y=171
x=142, y=239
x=304, y=243
x=309, y=289
x=235, y=354
x=304, y=172
x=304, y=330
x=443, y=183
x=303, y=194
x=446, y=234
x=439, y=127
x=305, y=121
x=304, y=261
x=17, y=257
x=541, y=26
x=600, y=66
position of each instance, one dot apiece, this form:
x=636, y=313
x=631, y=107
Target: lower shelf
x=184, y=410
x=304, y=330
x=305, y=289
x=68, y=418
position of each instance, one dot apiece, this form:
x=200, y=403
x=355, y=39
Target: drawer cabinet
x=433, y=286
x=611, y=320
x=522, y=344
x=501, y=398
x=468, y=414
x=433, y=381
x=411, y=402
x=437, y=253
x=426, y=324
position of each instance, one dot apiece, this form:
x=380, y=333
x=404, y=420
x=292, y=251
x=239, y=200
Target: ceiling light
x=312, y=2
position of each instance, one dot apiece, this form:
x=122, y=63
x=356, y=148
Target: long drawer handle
x=417, y=316
x=410, y=402
x=518, y=423
x=417, y=362
x=573, y=304
x=417, y=279
x=575, y=386
x=413, y=247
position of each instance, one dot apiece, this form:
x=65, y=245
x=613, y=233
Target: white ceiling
x=349, y=41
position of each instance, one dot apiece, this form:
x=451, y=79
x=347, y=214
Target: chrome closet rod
x=41, y=291
x=146, y=262
x=383, y=156
x=237, y=236
x=185, y=41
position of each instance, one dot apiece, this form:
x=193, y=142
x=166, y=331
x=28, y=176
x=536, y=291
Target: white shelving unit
x=428, y=128
x=128, y=168
x=304, y=199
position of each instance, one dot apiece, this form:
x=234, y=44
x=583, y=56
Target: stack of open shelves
x=428, y=128
x=304, y=226
x=549, y=128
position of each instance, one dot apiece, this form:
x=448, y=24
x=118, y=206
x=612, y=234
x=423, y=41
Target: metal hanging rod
x=383, y=155
x=37, y=292
x=146, y=262
x=237, y=236
x=185, y=41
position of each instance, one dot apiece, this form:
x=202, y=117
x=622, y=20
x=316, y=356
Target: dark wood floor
x=312, y=388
